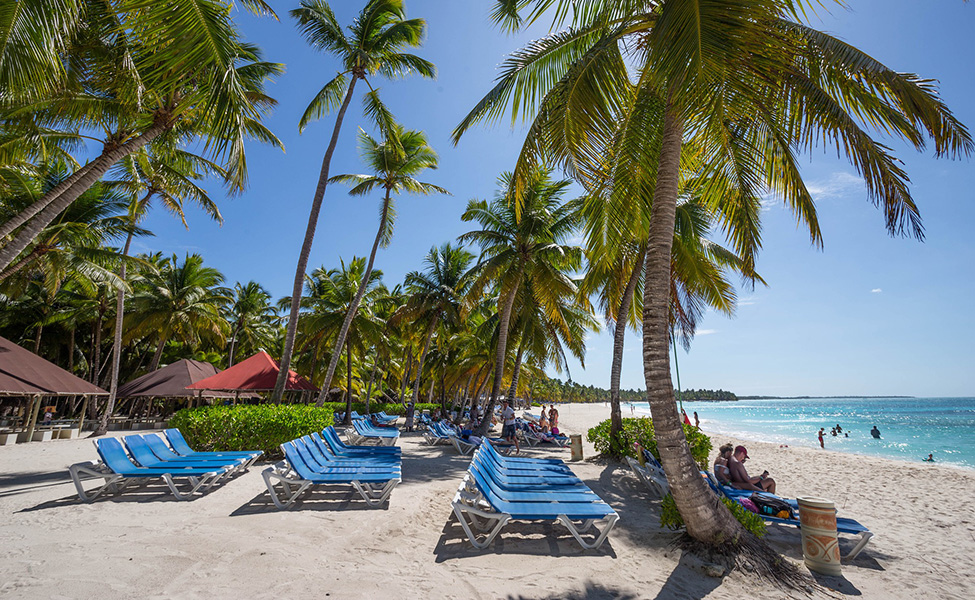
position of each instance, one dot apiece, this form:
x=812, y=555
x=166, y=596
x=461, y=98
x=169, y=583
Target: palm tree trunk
x=706, y=518
x=102, y=427
x=32, y=256
x=96, y=358
x=406, y=375
x=71, y=349
x=37, y=338
x=233, y=343
x=509, y=303
x=513, y=390
x=427, y=337
x=372, y=377
x=354, y=307
x=348, y=385
x=157, y=356
x=316, y=207
x=26, y=214
x=57, y=205
x=616, y=416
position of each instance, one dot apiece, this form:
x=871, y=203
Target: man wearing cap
x=740, y=478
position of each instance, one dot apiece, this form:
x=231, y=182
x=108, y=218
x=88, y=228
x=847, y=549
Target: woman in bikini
x=721, y=471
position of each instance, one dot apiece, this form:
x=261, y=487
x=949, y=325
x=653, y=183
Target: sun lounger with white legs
x=118, y=472
x=150, y=451
x=339, y=447
x=363, y=431
x=480, y=505
x=650, y=477
x=178, y=442
x=294, y=476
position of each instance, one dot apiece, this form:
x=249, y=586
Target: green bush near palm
x=641, y=430
x=243, y=427
x=670, y=517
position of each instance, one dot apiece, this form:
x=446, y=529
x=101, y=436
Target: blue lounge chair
x=143, y=455
x=295, y=476
x=479, y=504
x=166, y=454
x=323, y=452
x=315, y=459
x=178, y=442
x=363, y=431
x=118, y=471
x=332, y=437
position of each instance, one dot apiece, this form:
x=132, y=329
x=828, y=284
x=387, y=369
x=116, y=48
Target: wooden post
x=84, y=411
x=33, y=417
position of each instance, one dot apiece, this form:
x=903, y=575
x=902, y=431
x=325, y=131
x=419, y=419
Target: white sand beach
x=233, y=543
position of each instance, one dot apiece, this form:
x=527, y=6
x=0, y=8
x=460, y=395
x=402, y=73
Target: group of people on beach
x=729, y=468
x=838, y=430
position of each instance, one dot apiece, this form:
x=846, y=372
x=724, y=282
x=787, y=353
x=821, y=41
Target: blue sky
x=868, y=314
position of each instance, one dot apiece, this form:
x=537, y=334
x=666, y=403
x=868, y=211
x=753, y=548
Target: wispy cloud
x=876, y=291
x=838, y=184
x=747, y=301
x=705, y=332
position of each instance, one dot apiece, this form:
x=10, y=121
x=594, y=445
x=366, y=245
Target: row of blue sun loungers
x=142, y=458
x=381, y=416
x=323, y=459
x=498, y=489
x=363, y=432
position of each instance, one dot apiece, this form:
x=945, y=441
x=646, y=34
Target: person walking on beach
x=821, y=443
x=697, y=422
x=410, y=412
x=508, y=429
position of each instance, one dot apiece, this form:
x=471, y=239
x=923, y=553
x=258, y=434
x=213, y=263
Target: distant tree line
x=707, y=395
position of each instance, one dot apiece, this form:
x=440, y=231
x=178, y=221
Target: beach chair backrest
x=112, y=453
x=159, y=447
x=294, y=458
x=178, y=442
x=140, y=451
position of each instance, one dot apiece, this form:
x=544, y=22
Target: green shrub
x=641, y=430
x=249, y=427
x=670, y=516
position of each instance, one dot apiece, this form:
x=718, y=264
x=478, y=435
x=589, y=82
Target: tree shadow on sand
x=592, y=591
x=12, y=484
x=319, y=498
x=517, y=537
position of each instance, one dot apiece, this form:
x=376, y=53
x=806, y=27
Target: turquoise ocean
x=911, y=428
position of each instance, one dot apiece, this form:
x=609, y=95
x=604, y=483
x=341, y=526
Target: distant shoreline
x=811, y=397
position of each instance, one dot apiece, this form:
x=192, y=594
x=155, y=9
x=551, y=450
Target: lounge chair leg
x=864, y=540
x=502, y=519
x=287, y=485
x=85, y=471
x=368, y=494
x=610, y=523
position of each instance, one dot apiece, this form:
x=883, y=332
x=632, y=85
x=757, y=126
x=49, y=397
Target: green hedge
x=641, y=430
x=245, y=427
x=670, y=516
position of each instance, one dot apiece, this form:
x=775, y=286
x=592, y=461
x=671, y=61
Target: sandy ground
x=233, y=543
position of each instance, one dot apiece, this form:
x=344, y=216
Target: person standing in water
x=821, y=443
x=875, y=432
x=697, y=422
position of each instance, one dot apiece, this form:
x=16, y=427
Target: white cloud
x=747, y=301
x=838, y=184
x=705, y=332
x=876, y=291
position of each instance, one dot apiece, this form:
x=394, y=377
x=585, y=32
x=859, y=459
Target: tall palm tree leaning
x=378, y=36
x=751, y=86
x=395, y=161
x=516, y=247
x=436, y=295
x=167, y=173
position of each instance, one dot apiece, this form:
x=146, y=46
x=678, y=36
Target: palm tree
x=181, y=302
x=140, y=72
x=375, y=47
x=169, y=174
x=749, y=86
x=436, y=295
x=330, y=294
x=253, y=318
x=396, y=162
x=516, y=247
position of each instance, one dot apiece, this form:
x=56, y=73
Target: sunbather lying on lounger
x=740, y=478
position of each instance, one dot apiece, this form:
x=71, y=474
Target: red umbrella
x=256, y=374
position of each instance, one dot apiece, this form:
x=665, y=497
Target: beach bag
x=772, y=507
x=748, y=504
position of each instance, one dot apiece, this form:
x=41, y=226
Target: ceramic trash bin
x=575, y=445
x=820, y=547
